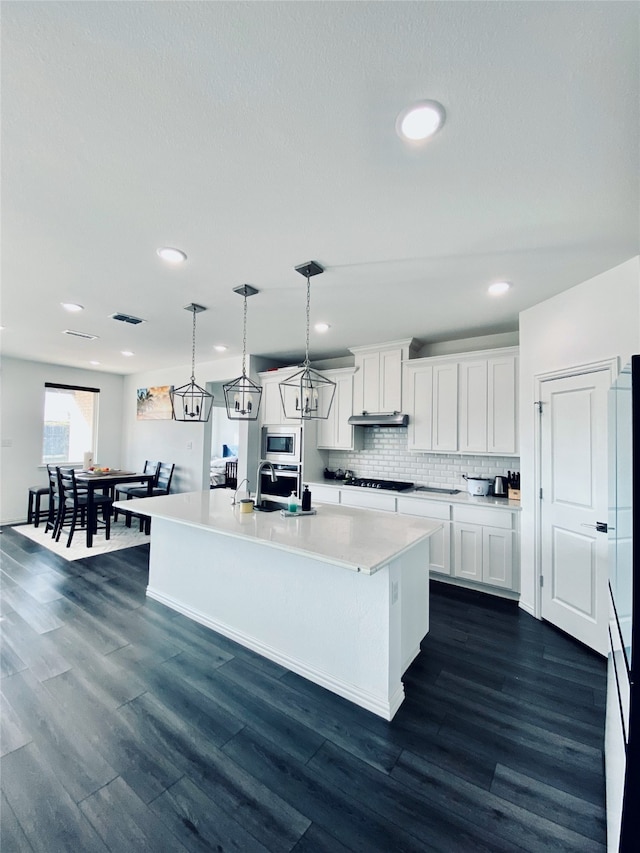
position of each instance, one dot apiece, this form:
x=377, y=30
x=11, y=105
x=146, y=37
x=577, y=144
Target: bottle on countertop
x=306, y=499
x=293, y=502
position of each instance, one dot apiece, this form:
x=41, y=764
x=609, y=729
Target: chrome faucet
x=264, y=463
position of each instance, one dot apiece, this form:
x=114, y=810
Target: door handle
x=600, y=526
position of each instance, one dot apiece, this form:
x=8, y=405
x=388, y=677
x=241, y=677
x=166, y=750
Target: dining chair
x=130, y=489
x=34, y=509
x=54, y=505
x=72, y=502
x=162, y=487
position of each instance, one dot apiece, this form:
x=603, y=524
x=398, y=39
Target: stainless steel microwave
x=282, y=444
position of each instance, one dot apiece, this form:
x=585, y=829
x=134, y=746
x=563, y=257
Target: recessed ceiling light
x=420, y=121
x=499, y=287
x=94, y=362
x=72, y=306
x=171, y=256
x=127, y=352
x=322, y=327
x=220, y=348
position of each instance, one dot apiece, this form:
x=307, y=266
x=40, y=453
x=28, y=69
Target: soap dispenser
x=293, y=502
x=306, y=499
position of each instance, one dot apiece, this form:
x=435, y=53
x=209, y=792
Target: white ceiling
x=257, y=136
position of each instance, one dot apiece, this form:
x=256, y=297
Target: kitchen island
x=340, y=597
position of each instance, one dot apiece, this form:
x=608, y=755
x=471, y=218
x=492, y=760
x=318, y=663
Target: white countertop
x=463, y=497
x=357, y=539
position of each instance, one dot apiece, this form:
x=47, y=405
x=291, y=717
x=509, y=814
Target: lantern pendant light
x=307, y=394
x=242, y=396
x=190, y=402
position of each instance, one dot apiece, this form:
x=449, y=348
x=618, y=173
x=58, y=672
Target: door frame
x=610, y=365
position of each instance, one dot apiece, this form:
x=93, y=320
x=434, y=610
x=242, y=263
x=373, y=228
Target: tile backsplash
x=385, y=456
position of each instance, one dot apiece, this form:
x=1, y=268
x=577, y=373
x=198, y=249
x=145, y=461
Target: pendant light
x=242, y=396
x=190, y=402
x=307, y=394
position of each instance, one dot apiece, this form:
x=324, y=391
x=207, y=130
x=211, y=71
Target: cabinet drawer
x=325, y=494
x=484, y=515
x=368, y=500
x=425, y=509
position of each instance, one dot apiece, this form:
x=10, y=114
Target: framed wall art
x=153, y=403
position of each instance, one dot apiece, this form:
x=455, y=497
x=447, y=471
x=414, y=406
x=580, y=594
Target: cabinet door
x=327, y=428
x=324, y=494
x=445, y=407
x=271, y=404
x=497, y=557
x=390, y=381
x=468, y=551
x=369, y=383
x=335, y=433
x=440, y=550
x=367, y=499
x=473, y=406
x=419, y=404
x=502, y=434
x=343, y=409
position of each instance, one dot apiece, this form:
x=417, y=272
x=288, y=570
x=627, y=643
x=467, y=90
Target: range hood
x=394, y=419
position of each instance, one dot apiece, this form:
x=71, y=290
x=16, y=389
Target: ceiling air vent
x=127, y=318
x=80, y=335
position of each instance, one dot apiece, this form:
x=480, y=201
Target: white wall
x=186, y=445
x=598, y=319
x=21, y=426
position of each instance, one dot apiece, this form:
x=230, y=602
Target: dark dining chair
x=130, y=488
x=34, y=509
x=161, y=487
x=52, y=474
x=72, y=507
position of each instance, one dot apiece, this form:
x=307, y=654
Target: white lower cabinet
x=484, y=551
x=367, y=499
x=478, y=544
x=440, y=542
x=324, y=494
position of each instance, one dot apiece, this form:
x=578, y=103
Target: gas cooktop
x=370, y=483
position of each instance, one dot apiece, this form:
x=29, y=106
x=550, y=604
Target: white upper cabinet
x=431, y=401
x=466, y=403
x=502, y=404
x=378, y=378
x=335, y=433
x=271, y=411
x=445, y=407
x=489, y=404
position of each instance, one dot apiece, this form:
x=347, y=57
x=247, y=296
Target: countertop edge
x=463, y=498
x=153, y=512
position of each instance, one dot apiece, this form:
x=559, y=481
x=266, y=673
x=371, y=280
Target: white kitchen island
x=340, y=597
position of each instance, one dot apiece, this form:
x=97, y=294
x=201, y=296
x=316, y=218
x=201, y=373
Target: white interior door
x=574, y=500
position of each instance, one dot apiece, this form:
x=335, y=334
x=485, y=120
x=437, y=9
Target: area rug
x=121, y=537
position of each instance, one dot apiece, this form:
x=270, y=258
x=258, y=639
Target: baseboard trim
x=527, y=609
x=363, y=699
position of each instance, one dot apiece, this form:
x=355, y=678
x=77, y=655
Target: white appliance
x=478, y=486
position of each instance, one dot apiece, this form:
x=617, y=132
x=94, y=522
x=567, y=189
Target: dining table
x=106, y=480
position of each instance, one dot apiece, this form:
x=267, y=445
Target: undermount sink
x=437, y=491
x=269, y=506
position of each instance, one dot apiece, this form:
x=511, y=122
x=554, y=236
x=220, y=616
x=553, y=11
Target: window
x=70, y=418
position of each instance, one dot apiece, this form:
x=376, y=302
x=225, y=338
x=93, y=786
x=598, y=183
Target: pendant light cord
x=244, y=339
x=306, y=357
x=193, y=349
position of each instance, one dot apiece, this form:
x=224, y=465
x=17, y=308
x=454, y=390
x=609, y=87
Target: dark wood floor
x=126, y=727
